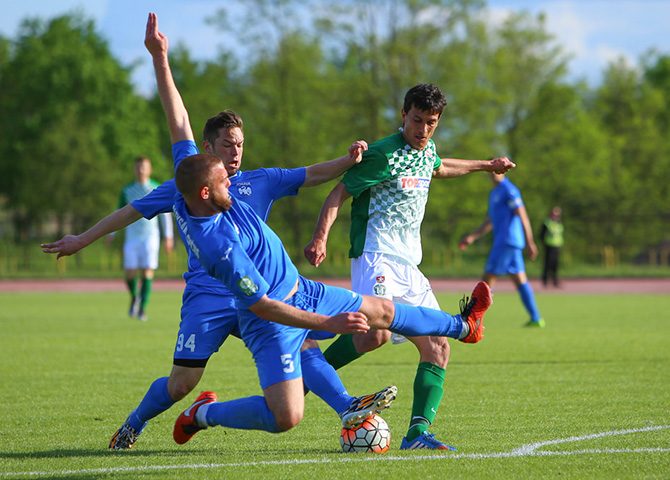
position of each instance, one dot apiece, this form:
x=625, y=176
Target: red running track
x=460, y=286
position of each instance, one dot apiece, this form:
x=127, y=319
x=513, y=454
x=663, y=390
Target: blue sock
x=528, y=299
x=155, y=401
x=322, y=379
x=412, y=321
x=250, y=413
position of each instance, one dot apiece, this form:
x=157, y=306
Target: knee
x=387, y=312
x=178, y=388
x=309, y=344
x=436, y=351
x=380, y=311
x=371, y=340
x=287, y=418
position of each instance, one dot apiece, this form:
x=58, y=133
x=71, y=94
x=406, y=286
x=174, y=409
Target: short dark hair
x=141, y=159
x=193, y=172
x=426, y=97
x=226, y=119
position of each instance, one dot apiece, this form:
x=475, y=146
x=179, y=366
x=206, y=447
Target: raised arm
x=456, y=167
x=322, y=172
x=315, y=251
x=173, y=106
x=71, y=244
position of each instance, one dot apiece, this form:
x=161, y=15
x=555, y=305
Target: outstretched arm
x=173, y=106
x=455, y=167
x=315, y=251
x=280, y=312
x=322, y=172
x=71, y=244
x=476, y=234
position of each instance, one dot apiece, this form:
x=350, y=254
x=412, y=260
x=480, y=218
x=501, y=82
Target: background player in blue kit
x=508, y=219
x=235, y=246
x=209, y=313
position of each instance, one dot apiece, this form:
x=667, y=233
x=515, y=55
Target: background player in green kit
x=142, y=241
x=390, y=189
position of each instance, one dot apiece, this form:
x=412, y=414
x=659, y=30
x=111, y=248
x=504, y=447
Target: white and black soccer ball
x=371, y=436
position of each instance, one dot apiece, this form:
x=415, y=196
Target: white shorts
x=141, y=254
x=390, y=277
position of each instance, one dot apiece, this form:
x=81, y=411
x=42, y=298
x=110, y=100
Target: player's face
x=229, y=146
x=419, y=127
x=143, y=171
x=219, y=194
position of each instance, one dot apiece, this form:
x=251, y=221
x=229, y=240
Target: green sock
x=341, y=352
x=145, y=293
x=428, y=389
x=132, y=287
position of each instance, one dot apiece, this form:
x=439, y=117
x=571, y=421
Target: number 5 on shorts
x=287, y=361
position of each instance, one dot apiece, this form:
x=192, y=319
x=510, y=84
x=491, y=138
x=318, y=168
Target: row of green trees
x=309, y=78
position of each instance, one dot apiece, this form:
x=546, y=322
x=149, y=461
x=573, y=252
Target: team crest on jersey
x=379, y=289
x=244, y=189
x=380, y=278
x=247, y=286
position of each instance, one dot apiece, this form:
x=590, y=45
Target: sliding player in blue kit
x=282, y=405
x=209, y=312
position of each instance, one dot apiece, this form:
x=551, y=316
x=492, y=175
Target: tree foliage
x=71, y=122
x=311, y=77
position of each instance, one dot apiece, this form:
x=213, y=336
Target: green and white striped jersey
x=142, y=229
x=390, y=189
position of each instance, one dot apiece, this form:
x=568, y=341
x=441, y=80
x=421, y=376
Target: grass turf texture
x=73, y=366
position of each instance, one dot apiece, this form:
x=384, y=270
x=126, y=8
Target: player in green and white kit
x=142, y=240
x=390, y=189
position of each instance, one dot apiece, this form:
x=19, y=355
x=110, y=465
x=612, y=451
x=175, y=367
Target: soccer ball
x=373, y=435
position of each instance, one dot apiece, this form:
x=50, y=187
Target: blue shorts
x=206, y=321
x=505, y=260
x=276, y=347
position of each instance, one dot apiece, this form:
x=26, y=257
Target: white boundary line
x=530, y=450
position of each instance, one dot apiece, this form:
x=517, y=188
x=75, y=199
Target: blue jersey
x=258, y=188
x=504, y=199
x=240, y=250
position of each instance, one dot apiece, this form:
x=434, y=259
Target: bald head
x=203, y=181
x=194, y=172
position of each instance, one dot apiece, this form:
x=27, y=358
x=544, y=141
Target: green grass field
x=587, y=397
